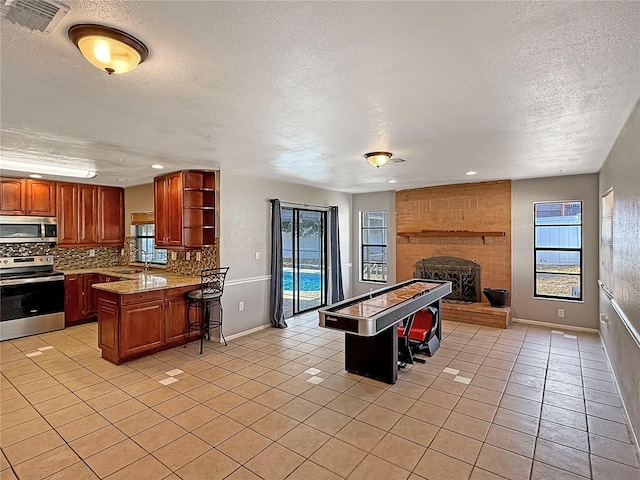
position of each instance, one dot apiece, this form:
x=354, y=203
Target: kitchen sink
x=127, y=271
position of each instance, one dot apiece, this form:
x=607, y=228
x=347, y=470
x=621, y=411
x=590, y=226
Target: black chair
x=208, y=295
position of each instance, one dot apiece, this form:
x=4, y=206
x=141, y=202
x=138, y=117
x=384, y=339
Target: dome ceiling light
x=378, y=159
x=109, y=49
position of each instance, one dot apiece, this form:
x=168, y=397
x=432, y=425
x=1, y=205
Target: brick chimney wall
x=484, y=206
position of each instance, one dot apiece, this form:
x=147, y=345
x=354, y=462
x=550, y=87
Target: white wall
x=524, y=194
x=370, y=202
x=245, y=228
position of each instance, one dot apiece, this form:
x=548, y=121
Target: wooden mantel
x=451, y=233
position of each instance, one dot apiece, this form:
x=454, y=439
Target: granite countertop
x=139, y=281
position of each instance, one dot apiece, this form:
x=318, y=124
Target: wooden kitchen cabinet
x=27, y=196
x=185, y=209
x=176, y=310
x=141, y=327
x=90, y=215
x=168, y=210
x=110, y=216
x=80, y=298
x=138, y=324
x=73, y=300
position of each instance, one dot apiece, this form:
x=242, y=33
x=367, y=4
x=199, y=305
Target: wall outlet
x=198, y=256
x=187, y=256
x=122, y=252
x=241, y=306
x=174, y=255
x=92, y=253
x=257, y=255
x=561, y=312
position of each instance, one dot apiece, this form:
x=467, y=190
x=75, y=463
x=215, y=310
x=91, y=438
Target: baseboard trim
x=624, y=406
x=557, y=326
x=247, y=332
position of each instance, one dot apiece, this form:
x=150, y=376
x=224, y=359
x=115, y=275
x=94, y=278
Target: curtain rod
x=286, y=204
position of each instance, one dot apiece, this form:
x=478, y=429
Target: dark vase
x=497, y=296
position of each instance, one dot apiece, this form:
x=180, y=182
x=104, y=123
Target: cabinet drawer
x=141, y=297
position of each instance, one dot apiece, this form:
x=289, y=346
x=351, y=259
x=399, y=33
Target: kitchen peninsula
x=142, y=313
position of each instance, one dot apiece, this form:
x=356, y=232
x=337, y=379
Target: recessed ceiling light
x=121, y=179
x=35, y=175
x=157, y=166
x=471, y=172
x=392, y=181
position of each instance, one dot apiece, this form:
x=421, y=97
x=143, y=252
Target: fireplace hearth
x=464, y=276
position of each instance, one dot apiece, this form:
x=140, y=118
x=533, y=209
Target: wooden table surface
x=372, y=306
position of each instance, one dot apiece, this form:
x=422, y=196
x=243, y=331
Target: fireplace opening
x=464, y=276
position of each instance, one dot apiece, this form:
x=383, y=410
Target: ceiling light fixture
x=471, y=172
x=392, y=181
x=157, y=166
x=378, y=159
x=109, y=49
x=60, y=170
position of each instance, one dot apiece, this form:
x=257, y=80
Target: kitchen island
x=143, y=313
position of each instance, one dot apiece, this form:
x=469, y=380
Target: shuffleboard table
x=370, y=322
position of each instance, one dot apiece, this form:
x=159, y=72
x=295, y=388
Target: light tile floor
x=522, y=403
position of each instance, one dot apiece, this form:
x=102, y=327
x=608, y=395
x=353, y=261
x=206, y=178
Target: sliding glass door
x=304, y=281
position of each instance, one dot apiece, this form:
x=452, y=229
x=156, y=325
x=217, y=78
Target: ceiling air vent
x=43, y=16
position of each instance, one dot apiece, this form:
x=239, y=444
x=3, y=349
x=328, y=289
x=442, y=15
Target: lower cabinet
x=80, y=298
x=138, y=324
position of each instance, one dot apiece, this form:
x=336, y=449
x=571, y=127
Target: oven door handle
x=23, y=281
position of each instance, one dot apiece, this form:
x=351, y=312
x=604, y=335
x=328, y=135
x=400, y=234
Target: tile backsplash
x=76, y=258
x=66, y=258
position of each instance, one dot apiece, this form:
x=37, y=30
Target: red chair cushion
x=422, y=324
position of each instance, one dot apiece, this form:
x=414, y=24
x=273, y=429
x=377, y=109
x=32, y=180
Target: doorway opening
x=304, y=258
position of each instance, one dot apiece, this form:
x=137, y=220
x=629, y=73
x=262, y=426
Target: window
x=373, y=237
x=606, y=242
x=145, y=242
x=558, y=250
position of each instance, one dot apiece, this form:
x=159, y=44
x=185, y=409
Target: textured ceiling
x=301, y=90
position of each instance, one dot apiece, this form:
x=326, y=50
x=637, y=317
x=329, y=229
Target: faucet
x=146, y=257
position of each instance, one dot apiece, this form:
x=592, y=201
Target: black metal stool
x=209, y=294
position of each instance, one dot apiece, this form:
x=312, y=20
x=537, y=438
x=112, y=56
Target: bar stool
x=208, y=295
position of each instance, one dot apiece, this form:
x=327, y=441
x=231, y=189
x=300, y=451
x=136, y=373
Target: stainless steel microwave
x=23, y=229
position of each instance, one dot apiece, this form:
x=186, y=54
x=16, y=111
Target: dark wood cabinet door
x=13, y=196
x=174, y=210
x=110, y=216
x=141, y=328
x=87, y=214
x=67, y=206
x=41, y=198
x=89, y=295
x=176, y=315
x=72, y=300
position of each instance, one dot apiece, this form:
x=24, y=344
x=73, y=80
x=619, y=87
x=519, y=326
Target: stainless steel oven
x=23, y=229
x=31, y=297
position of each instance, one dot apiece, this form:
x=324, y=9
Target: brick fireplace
x=469, y=221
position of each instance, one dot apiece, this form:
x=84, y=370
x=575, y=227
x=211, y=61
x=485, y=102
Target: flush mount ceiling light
x=60, y=170
x=471, y=172
x=157, y=166
x=109, y=49
x=378, y=159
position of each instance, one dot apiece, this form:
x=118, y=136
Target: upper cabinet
x=90, y=215
x=110, y=216
x=185, y=209
x=27, y=196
